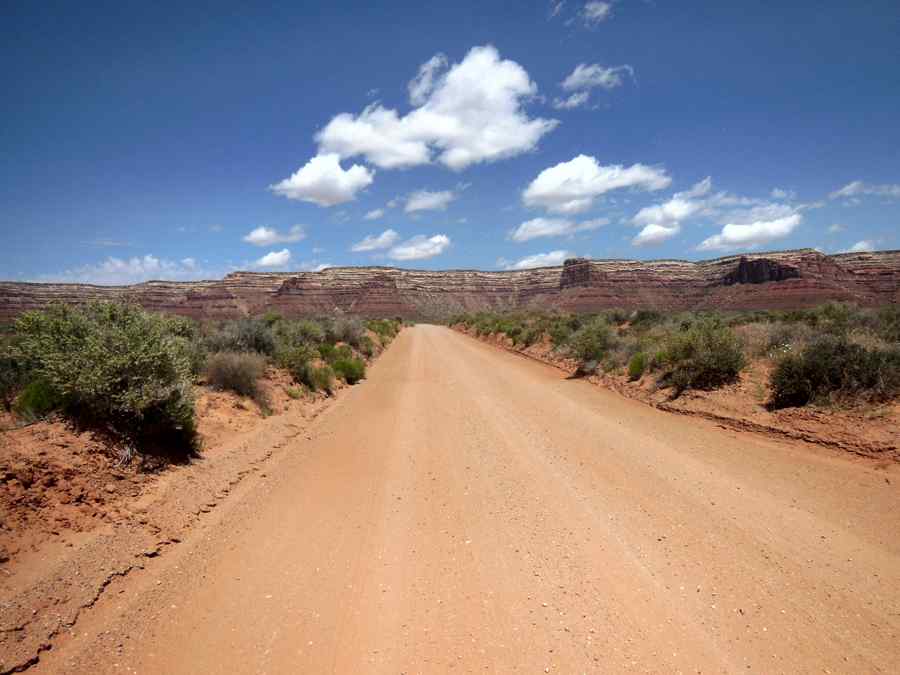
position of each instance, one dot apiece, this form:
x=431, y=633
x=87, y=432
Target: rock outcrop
x=784, y=280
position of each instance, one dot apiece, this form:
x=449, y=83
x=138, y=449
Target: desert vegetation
x=132, y=374
x=834, y=354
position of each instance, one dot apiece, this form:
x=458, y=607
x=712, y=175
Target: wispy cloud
x=420, y=247
x=115, y=271
x=424, y=200
x=267, y=236
x=554, y=227
x=858, y=188
x=374, y=242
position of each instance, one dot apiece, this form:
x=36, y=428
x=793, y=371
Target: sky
x=184, y=141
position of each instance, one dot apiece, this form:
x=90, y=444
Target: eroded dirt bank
x=468, y=509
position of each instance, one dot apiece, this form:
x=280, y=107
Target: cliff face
x=786, y=280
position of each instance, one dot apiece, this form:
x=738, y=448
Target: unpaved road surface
x=468, y=510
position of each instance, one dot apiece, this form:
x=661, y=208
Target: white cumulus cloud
x=423, y=200
x=267, y=236
x=752, y=234
x=420, y=247
x=469, y=113
x=549, y=259
x=655, y=233
x=274, y=259
x=374, y=214
x=374, y=242
x=661, y=222
x=571, y=187
x=553, y=227
x=322, y=181
x=423, y=83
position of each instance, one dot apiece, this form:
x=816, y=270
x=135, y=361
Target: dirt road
x=466, y=509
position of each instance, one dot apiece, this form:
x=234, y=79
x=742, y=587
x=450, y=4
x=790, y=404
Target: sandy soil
x=466, y=509
x=867, y=430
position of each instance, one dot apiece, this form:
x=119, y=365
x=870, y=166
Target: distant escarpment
x=784, y=280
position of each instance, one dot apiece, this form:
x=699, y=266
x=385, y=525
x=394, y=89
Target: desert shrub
x=385, y=329
x=37, y=400
x=299, y=362
x=367, y=346
x=616, y=317
x=350, y=370
x=887, y=323
x=562, y=327
x=703, y=355
x=239, y=372
x=636, y=366
x=243, y=335
x=295, y=359
x=316, y=378
x=310, y=331
x=271, y=317
x=590, y=343
x=114, y=365
x=643, y=319
x=532, y=333
x=332, y=353
x=13, y=375
x=349, y=330
x=293, y=392
x=327, y=351
x=833, y=367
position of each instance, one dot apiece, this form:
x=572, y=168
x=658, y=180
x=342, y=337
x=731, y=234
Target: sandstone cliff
x=784, y=280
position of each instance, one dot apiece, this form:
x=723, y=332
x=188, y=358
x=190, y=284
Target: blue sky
x=156, y=140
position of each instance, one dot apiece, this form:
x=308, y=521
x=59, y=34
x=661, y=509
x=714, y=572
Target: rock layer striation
x=783, y=280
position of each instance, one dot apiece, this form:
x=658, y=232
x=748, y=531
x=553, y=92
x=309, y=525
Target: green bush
x=385, y=329
x=327, y=351
x=309, y=330
x=561, y=329
x=350, y=370
x=13, y=375
x=37, y=400
x=243, y=335
x=590, y=343
x=888, y=323
x=295, y=359
x=349, y=330
x=703, y=355
x=239, y=372
x=319, y=378
x=367, y=346
x=643, y=319
x=833, y=367
x=636, y=366
x=271, y=317
x=114, y=365
x=331, y=353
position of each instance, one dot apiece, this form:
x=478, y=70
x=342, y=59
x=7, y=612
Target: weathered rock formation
x=785, y=280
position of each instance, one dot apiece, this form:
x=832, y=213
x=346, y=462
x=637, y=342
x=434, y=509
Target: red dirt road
x=466, y=509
